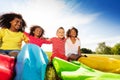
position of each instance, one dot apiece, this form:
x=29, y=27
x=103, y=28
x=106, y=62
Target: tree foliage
x=85, y=50
x=116, y=49
x=103, y=49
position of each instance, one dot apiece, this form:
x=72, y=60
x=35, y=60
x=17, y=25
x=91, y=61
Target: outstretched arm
x=79, y=52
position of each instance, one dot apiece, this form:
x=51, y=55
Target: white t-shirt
x=71, y=48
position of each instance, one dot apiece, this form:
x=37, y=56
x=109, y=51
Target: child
x=11, y=33
x=58, y=50
x=36, y=36
x=72, y=45
x=58, y=44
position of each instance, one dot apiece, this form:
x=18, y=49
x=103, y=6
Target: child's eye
x=19, y=22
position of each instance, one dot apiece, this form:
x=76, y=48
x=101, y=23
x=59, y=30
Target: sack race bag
x=31, y=63
x=6, y=67
x=74, y=71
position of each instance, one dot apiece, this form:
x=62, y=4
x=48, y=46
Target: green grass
x=48, y=54
x=50, y=72
x=110, y=56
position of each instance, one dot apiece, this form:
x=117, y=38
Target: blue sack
x=31, y=63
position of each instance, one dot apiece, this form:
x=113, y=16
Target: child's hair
x=60, y=28
x=68, y=32
x=32, y=29
x=5, y=20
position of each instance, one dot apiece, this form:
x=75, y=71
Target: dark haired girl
x=72, y=44
x=11, y=33
x=36, y=36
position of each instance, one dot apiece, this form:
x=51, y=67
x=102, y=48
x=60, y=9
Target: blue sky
x=106, y=25
x=97, y=20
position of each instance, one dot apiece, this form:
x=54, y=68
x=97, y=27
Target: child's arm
x=67, y=51
x=79, y=52
x=25, y=38
x=47, y=40
x=27, y=34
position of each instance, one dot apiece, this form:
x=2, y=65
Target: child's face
x=16, y=24
x=73, y=33
x=61, y=33
x=37, y=32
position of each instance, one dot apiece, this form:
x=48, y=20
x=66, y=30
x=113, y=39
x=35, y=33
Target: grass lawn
x=111, y=56
x=49, y=54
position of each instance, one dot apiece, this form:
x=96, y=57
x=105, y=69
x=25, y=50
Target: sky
x=96, y=20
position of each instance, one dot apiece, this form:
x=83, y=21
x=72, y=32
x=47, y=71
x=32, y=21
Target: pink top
x=58, y=45
x=37, y=41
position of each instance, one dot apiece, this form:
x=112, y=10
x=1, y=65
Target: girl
x=36, y=36
x=37, y=54
x=11, y=33
x=72, y=45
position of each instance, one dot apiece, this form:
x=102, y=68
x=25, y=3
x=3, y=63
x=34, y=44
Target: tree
x=116, y=49
x=85, y=50
x=103, y=49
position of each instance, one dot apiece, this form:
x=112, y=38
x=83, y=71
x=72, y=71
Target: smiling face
x=73, y=33
x=60, y=33
x=37, y=32
x=15, y=24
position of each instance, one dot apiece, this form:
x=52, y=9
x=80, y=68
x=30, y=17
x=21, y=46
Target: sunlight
x=51, y=14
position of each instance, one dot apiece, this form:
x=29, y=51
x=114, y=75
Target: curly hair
x=69, y=30
x=32, y=29
x=5, y=20
x=68, y=33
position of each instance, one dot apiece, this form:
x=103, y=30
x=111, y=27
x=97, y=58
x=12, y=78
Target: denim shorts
x=8, y=51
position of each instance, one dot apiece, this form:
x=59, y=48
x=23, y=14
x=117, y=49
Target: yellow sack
x=101, y=63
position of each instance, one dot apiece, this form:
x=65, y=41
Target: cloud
x=51, y=14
